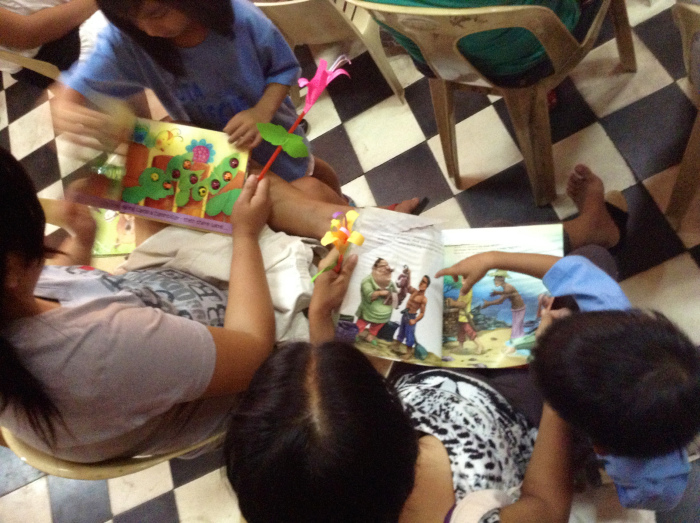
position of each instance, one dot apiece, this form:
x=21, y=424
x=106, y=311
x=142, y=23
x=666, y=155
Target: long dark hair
x=22, y=224
x=216, y=15
x=629, y=379
x=320, y=436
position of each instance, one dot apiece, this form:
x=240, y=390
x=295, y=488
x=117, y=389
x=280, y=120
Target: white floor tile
x=690, y=90
x=52, y=192
x=484, y=147
x=72, y=156
x=207, y=499
x=322, y=117
x=376, y=144
x=130, y=491
x=602, y=505
x=31, y=131
x=641, y=10
x=158, y=112
x=660, y=186
x=590, y=146
x=669, y=288
x=3, y=110
x=606, y=87
x=7, y=80
x=29, y=503
x=359, y=191
x=450, y=213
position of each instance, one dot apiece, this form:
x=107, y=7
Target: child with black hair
x=321, y=436
x=218, y=64
x=96, y=366
x=628, y=379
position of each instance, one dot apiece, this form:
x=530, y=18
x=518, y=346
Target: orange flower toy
x=341, y=236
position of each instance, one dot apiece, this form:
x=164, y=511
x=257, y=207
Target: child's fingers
x=349, y=265
x=249, y=188
x=330, y=260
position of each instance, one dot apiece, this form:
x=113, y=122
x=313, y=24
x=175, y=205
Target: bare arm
x=75, y=219
x=29, y=31
x=548, y=486
x=242, y=128
x=248, y=334
x=475, y=267
x=329, y=290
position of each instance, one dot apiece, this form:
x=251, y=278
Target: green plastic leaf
x=295, y=146
x=133, y=194
x=223, y=202
x=275, y=134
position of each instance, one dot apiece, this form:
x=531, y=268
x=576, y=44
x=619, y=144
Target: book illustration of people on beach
x=496, y=318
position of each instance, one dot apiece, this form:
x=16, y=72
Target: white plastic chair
x=325, y=21
x=437, y=30
x=38, y=66
x=112, y=468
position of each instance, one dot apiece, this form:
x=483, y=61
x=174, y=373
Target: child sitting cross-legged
x=628, y=379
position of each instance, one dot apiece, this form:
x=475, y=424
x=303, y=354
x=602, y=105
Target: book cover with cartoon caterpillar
x=173, y=173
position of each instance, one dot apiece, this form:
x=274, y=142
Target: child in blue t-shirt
x=218, y=64
x=628, y=379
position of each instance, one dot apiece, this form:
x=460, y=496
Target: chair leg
x=373, y=42
x=530, y=116
x=623, y=35
x=687, y=181
x=443, y=105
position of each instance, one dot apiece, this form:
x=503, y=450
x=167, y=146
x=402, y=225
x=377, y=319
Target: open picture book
x=172, y=173
x=396, y=309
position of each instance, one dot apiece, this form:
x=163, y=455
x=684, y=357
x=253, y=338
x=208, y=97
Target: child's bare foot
x=412, y=206
x=594, y=225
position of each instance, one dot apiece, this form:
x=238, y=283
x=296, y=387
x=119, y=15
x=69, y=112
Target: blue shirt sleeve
x=592, y=288
x=112, y=69
x=276, y=58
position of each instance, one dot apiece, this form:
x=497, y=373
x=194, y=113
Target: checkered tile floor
x=630, y=128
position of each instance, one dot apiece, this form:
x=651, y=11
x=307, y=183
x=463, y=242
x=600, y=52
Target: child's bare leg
x=593, y=226
x=326, y=174
x=308, y=213
x=144, y=229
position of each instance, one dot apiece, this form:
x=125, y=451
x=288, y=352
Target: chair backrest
x=45, y=68
x=308, y=21
x=113, y=468
x=436, y=31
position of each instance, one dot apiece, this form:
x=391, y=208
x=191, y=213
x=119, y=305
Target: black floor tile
x=695, y=253
x=306, y=61
x=5, y=138
x=186, y=470
x=22, y=98
x=650, y=239
x=42, y=166
x=663, y=38
x=15, y=473
x=158, y=510
x=607, y=32
x=651, y=134
x=413, y=173
x=418, y=97
x=570, y=115
x=365, y=88
x=504, y=196
x=76, y=501
x=335, y=148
